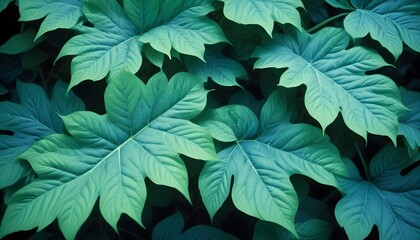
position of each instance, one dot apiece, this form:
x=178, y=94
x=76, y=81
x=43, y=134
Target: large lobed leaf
x=389, y=22
x=389, y=200
x=261, y=158
x=33, y=118
x=263, y=13
x=117, y=39
x=111, y=46
x=57, y=13
x=144, y=130
x=335, y=79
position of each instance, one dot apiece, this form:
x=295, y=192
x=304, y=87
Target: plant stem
x=362, y=159
x=325, y=22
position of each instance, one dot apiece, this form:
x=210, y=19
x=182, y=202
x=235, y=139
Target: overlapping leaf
x=57, y=13
x=335, y=79
x=262, y=157
x=179, y=24
x=389, y=22
x=115, y=42
x=33, y=118
x=144, y=130
x=263, y=13
x=19, y=43
x=172, y=228
x=389, y=201
x=410, y=121
x=218, y=67
x=4, y=3
x=111, y=46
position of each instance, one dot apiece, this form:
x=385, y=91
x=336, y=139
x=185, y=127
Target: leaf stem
x=362, y=159
x=325, y=22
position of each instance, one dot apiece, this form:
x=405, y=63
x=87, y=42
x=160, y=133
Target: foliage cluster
x=210, y=119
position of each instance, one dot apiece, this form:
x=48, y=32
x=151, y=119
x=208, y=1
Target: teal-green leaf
x=34, y=118
x=230, y=123
x=343, y=4
x=109, y=156
x=221, y=69
x=3, y=90
x=172, y=228
x=390, y=201
x=263, y=13
x=4, y=4
x=19, y=43
x=266, y=162
x=335, y=79
x=181, y=25
x=389, y=22
x=410, y=121
x=111, y=46
x=57, y=13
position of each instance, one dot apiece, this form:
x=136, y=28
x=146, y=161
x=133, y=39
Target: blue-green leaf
x=336, y=80
x=57, y=13
x=265, y=161
x=110, y=47
x=109, y=156
x=389, y=22
x=34, y=118
x=263, y=13
x=410, y=121
x=389, y=201
x=221, y=69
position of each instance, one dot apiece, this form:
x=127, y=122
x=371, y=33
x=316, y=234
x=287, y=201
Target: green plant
x=252, y=119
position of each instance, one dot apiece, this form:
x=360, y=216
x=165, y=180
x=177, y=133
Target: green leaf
x=389, y=22
x=172, y=228
x=144, y=130
x=111, y=46
x=4, y=4
x=181, y=25
x=410, y=121
x=19, y=43
x=335, y=79
x=218, y=67
x=265, y=160
x=34, y=118
x=263, y=13
x=57, y=13
x=389, y=201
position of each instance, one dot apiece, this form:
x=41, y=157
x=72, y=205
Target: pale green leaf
x=389, y=201
x=389, y=22
x=110, y=47
x=4, y=4
x=266, y=162
x=109, y=156
x=221, y=69
x=263, y=13
x=57, y=13
x=336, y=81
x=34, y=118
x=410, y=121
x=181, y=25
x=19, y=43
